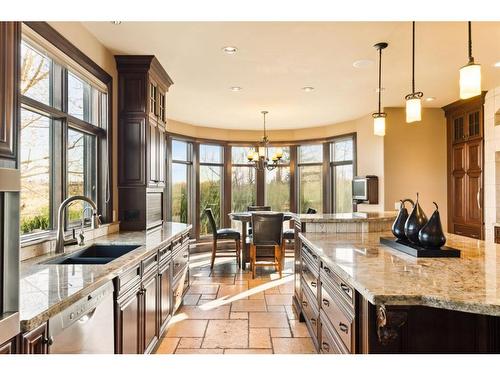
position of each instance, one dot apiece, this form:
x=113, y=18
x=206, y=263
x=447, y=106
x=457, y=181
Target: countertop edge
x=35, y=321
x=408, y=300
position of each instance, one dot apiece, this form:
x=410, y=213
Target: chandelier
x=260, y=156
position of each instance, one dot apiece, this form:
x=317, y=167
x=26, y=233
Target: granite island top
x=46, y=289
x=352, y=217
x=382, y=275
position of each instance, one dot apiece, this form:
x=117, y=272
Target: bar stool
x=222, y=234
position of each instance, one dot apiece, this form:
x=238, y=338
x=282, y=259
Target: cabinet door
x=474, y=128
x=161, y=158
x=473, y=213
x=153, y=95
x=165, y=294
x=8, y=347
x=162, y=100
x=458, y=128
x=36, y=341
x=10, y=40
x=153, y=155
x=129, y=323
x=150, y=290
x=458, y=182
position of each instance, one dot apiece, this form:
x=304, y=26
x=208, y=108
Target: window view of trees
x=310, y=175
x=44, y=137
x=181, y=163
x=278, y=183
x=243, y=184
x=341, y=154
x=211, y=172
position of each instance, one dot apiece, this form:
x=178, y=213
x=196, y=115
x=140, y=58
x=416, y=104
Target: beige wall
x=415, y=160
x=89, y=45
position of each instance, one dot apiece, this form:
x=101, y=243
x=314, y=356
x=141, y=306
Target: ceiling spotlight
x=363, y=64
x=235, y=88
x=497, y=64
x=430, y=99
x=229, y=50
x=116, y=22
x=308, y=88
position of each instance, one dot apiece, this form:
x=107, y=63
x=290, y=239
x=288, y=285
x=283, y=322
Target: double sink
x=95, y=254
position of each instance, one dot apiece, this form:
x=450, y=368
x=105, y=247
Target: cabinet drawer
x=468, y=231
x=178, y=292
x=309, y=278
x=150, y=264
x=311, y=315
x=344, y=289
x=179, y=261
x=329, y=344
x=128, y=279
x=311, y=257
x=338, y=316
x=165, y=252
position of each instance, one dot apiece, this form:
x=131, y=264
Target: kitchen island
x=359, y=296
x=148, y=282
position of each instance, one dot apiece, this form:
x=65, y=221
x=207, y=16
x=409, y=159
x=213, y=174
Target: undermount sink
x=95, y=254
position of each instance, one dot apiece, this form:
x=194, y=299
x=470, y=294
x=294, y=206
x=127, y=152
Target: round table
x=245, y=217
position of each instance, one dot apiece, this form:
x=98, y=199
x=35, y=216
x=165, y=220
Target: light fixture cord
x=379, y=78
x=413, y=60
x=471, y=59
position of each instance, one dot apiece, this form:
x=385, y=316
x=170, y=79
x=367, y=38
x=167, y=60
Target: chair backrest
x=211, y=220
x=311, y=211
x=267, y=229
x=259, y=208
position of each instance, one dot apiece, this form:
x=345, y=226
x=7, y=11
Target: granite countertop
x=46, y=289
x=352, y=217
x=382, y=275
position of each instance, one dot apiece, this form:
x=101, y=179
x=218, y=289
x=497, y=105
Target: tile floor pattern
x=228, y=312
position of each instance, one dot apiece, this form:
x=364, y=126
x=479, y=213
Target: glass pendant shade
x=379, y=125
x=470, y=81
x=413, y=110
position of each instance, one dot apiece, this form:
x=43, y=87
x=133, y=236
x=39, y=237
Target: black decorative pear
x=415, y=222
x=431, y=236
x=398, y=227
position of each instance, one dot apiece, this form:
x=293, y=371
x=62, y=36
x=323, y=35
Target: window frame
x=44, y=39
x=334, y=164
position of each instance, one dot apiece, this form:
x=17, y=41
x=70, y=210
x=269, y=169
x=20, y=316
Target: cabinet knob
x=325, y=346
x=48, y=340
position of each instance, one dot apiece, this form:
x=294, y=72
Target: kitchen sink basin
x=95, y=254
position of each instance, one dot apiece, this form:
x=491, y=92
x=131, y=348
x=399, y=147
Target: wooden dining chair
x=255, y=208
x=267, y=232
x=222, y=234
x=289, y=234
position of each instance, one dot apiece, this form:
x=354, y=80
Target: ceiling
x=276, y=59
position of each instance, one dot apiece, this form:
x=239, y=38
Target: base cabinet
x=165, y=302
x=9, y=347
x=151, y=326
x=36, y=341
x=128, y=322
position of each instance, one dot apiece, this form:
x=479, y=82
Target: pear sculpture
x=415, y=222
x=398, y=227
x=431, y=236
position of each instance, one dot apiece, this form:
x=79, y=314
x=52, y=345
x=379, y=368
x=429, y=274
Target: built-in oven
x=9, y=254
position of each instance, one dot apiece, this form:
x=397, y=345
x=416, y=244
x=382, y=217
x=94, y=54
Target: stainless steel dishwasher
x=87, y=326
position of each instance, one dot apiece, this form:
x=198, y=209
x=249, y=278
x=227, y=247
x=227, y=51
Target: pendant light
x=470, y=74
x=379, y=117
x=413, y=100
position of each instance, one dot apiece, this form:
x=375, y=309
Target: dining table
x=245, y=217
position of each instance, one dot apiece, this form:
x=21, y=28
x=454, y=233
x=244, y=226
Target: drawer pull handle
x=315, y=257
x=313, y=321
x=343, y=327
x=327, y=270
x=304, y=303
x=326, y=302
x=185, y=255
x=313, y=284
x=325, y=347
x=177, y=264
x=345, y=288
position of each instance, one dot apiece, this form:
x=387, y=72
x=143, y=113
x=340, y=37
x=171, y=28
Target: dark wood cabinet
x=9, y=347
x=142, y=88
x=10, y=42
x=128, y=319
x=165, y=294
x=465, y=167
x=36, y=341
x=151, y=324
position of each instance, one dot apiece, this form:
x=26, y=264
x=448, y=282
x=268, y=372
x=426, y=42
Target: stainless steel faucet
x=81, y=236
x=60, y=242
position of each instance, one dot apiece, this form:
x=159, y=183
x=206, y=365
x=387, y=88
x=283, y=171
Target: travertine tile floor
x=228, y=312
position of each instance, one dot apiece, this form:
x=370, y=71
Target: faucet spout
x=60, y=242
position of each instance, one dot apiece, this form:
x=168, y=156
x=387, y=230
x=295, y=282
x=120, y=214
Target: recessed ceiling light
x=497, y=64
x=229, y=50
x=430, y=99
x=363, y=64
x=235, y=88
x=116, y=22
x=308, y=88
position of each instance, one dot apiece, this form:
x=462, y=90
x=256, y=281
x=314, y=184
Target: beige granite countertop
x=382, y=275
x=353, y=217
x=46, y=289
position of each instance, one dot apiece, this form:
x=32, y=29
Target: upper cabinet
x=10, y=41
x=142, y=95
